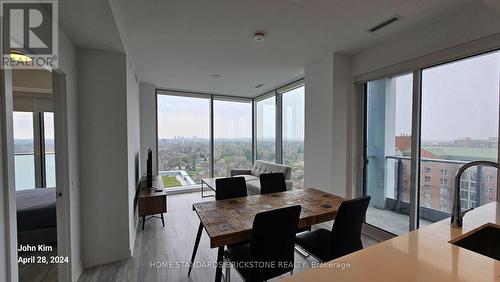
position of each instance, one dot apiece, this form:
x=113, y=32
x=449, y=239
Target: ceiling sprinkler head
x=258, y=36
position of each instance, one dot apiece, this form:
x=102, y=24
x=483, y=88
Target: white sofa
x=252, y=175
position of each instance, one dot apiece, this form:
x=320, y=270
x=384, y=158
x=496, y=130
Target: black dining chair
x=231, y=187
x=345, y=236
x=271, y=247
x=225, y=188
x=272, y=183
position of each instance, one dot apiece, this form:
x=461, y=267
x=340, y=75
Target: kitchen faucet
x=457, y=214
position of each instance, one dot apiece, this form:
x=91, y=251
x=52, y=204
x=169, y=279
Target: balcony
x=390, y=206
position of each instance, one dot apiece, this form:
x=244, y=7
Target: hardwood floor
x=163, y=254
x=36, y=272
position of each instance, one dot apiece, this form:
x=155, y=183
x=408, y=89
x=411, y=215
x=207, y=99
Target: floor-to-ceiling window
x=34, y=155
x=293, y=133
x=206, y=135
x=50, y=160
x=460, y=113
x=24, y=150
x=458, y=123
x=183, y=139
x=232, y=135
x=266, y=129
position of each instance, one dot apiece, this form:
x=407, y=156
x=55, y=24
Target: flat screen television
x=149, y=172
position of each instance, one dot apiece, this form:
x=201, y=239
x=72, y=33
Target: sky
x=189, y=117
x=23, y=125
x=459, y=99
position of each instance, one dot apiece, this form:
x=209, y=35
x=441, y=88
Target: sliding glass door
x=388, y=151
x=458, y=123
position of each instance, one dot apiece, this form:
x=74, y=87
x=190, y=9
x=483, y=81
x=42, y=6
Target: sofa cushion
x=253, y=187
x=249, y=177
x=260, y=167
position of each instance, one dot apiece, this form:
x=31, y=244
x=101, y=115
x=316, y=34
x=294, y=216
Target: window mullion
x=39, y=150
x=279, y=128
x=415, y=150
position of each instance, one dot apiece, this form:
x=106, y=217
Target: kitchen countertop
x=422, y=255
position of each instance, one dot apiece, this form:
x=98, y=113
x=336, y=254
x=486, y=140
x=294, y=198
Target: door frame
x=62, y=174
x=7, y=182
x=64, y=271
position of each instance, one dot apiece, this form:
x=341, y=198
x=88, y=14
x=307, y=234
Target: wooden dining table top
x=230, y=221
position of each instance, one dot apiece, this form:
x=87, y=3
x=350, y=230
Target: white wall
x=327, y=90
x=134, y=149
x=148, y=123
x=318, y=164
x=67, y=64
x=342, y=86
x=102, y=122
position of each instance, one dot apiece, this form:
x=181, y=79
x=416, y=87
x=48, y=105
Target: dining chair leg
x=195, y=249
x=218, y=271
x=228, y=271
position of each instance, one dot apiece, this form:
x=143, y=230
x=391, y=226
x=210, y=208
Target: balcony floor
x=391, y=221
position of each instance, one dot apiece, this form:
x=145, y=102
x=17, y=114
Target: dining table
x=230, y=221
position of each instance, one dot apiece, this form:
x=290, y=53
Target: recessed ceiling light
x=259, y=85
x=216, y=75
x=259, y=36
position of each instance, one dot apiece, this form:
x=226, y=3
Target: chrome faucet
x=457, y=214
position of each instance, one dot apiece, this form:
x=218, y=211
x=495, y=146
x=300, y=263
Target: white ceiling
x=90, y=24
x=179, y=44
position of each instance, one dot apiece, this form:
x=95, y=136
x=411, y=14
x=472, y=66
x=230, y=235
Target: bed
x=36, y=216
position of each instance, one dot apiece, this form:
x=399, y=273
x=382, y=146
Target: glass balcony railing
x=24, y=168
x=437, y=182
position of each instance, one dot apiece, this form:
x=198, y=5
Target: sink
x=485, y=241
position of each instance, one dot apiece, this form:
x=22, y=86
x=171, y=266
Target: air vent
x=384, y=23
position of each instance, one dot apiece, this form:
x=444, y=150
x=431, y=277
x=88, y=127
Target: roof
x=462, y=153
